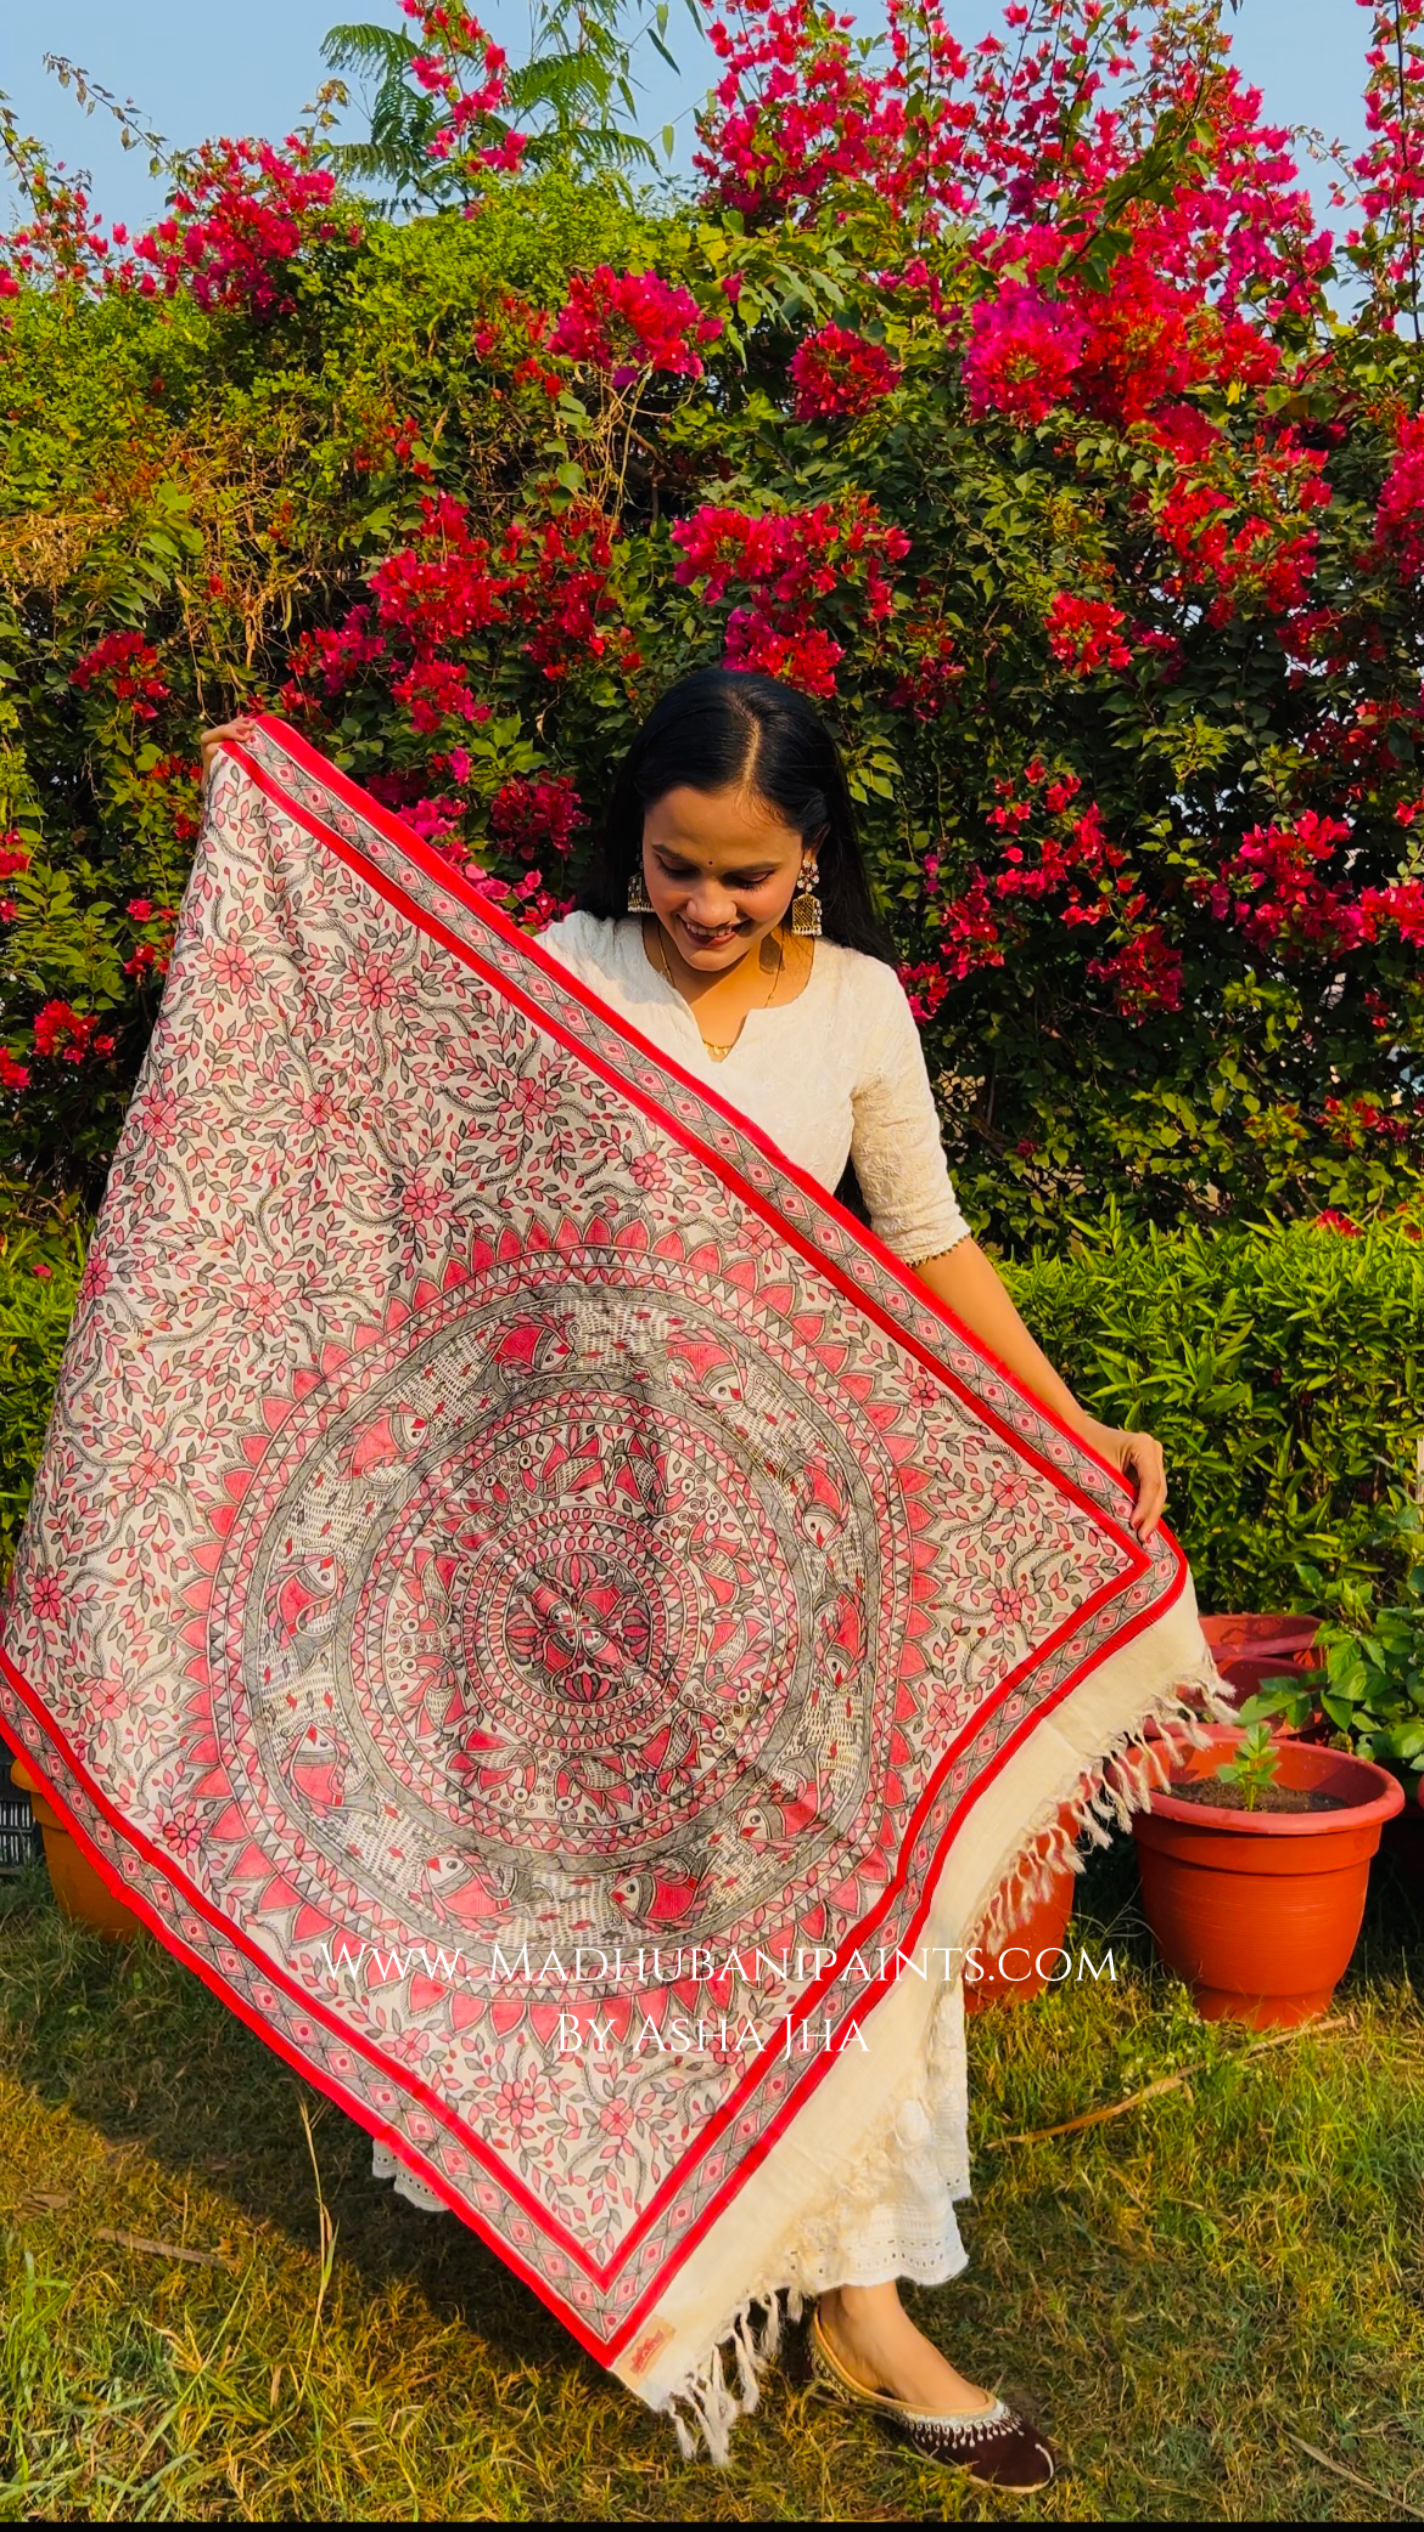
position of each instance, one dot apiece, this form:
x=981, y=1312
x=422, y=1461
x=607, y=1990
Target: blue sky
x=197, y=69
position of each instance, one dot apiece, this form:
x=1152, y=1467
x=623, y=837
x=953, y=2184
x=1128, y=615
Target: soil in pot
x=1259, y=1910
x=79, y=1890
x=1209, y=1793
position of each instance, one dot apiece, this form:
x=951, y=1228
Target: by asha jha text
x=579, y=2037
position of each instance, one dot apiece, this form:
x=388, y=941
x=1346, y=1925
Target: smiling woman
x=716, y=867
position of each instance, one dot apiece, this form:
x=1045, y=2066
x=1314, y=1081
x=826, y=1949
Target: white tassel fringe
x=1115, y=1786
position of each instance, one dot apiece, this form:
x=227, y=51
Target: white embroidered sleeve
x=895, y=1142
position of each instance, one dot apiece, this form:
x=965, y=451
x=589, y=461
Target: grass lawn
x=1186, y=2293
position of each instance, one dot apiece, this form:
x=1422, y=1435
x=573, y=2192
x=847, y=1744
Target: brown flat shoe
x=995, y=2446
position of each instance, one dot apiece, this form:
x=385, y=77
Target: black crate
x=20, y=1840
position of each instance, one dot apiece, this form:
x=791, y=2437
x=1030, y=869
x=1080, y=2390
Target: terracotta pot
x=1037, y=1933
x=1259, y=1910
x=79, y=1889
x=1251, y=1647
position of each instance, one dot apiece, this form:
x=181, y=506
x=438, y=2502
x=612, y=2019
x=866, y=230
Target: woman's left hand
x=1139, y=1457
x=242, y=728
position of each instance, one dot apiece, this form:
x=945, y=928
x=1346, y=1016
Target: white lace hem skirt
x=892, y=2218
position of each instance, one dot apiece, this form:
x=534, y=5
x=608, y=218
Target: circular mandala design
x=560, y=1611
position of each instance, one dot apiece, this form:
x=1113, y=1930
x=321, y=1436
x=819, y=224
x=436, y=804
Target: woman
x=729, y=920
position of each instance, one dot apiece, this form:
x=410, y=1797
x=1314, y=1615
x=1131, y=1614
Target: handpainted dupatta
x=533, y=1603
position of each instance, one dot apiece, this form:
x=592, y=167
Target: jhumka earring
x=806, y=904
x=639, y=901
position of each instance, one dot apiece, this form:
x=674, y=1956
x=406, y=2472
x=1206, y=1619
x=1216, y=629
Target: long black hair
x=719, y=726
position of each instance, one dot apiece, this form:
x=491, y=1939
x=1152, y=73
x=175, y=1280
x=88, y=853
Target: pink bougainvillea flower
x=1397, y=908
x=1084, y=634
x=1144, y=975
x=1282, y=903
x=609, y=316
x=534, y=814
x=1022, y=353
x=236, y=227
x=837, y=373
x=790, y=563
x=930, y=682
x=462, y=70
x=1399, y=519
x=125, y=666
x=806, y=656
x=61, y=1031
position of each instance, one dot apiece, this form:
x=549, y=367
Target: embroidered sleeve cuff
x=927, y=1256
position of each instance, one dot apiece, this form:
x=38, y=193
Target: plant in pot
x=1254, y=1864
x=1371, y=1694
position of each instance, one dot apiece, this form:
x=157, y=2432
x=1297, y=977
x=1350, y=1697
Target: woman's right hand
x=242, y=729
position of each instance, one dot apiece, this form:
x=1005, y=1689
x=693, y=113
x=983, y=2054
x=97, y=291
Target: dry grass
x=1183, y=2293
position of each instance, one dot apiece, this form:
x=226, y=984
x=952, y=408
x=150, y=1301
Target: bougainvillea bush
x=1009, y=399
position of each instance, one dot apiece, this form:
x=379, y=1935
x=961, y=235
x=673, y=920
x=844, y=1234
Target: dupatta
x=535, y=1604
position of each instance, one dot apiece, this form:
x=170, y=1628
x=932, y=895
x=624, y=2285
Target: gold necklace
x=717, y=1052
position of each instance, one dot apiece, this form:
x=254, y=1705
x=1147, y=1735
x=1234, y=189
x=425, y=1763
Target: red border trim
x=172, y=1941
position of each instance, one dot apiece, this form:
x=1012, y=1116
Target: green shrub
x=1281, y=1368
x=39, y=1277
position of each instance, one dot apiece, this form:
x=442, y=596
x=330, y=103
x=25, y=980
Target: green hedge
x=1282, y=1370
x=39, y=1277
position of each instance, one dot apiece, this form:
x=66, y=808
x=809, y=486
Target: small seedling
x=1254, y=1766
